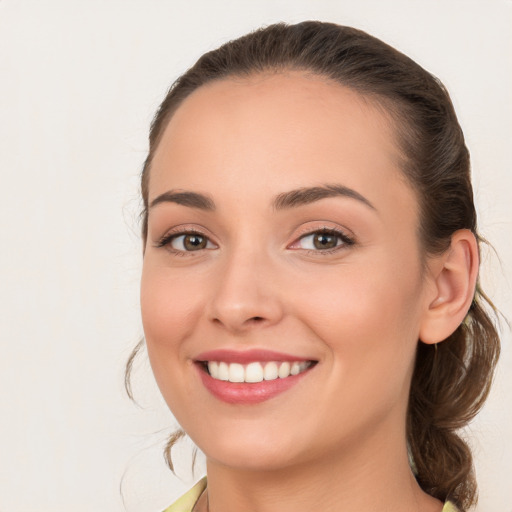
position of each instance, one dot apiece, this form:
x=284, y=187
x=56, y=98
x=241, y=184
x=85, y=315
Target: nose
x=246, y=295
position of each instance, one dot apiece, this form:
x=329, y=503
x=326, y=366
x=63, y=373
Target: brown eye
x=189, y=242
x=194, y=242
x=325, y=241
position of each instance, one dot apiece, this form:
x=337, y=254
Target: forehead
x=290, y=129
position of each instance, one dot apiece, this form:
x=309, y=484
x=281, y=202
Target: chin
x=252, y=460
x=252, y=453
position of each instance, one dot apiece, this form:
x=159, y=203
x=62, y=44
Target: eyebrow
x=286, y=200
x=307, y=195
x=190, y=199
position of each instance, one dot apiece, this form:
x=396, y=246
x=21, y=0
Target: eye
x=189, y=242
x=322, y=240
x=186, y=242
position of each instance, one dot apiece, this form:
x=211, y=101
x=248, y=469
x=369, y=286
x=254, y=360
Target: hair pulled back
x=451, y=380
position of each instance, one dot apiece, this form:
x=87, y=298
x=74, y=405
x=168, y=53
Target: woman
x=310, y=266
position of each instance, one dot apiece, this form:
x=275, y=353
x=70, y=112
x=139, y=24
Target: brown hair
x=451, y=380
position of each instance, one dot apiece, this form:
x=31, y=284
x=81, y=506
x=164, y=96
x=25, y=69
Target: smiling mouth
x=254, y=372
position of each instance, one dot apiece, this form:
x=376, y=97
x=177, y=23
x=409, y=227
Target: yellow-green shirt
x=188, y=500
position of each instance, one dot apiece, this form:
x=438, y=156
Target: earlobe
x=454, y=279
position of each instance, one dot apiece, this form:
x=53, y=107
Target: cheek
x=355, y=300
x=169, y=308
x=168, y=304
x=369, y=330
x=368, y=317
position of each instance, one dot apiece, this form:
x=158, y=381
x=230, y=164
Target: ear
x=453, y=276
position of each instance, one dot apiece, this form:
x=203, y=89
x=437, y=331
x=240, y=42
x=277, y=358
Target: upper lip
x=247, y=356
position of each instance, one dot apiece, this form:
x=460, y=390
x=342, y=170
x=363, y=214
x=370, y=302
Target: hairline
x=391, y=110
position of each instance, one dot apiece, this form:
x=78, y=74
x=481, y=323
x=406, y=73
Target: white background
x=79, y=82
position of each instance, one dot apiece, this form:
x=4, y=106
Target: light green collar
x=188, y=500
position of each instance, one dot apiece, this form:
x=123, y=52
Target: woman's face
x=281, y=231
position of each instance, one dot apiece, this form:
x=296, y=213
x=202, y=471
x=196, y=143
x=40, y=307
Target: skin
x=336, y=440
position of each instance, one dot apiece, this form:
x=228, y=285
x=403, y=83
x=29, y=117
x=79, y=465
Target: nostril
x=253, y=319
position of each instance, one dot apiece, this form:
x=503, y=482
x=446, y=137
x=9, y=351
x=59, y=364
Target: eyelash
x=346, y=241
x=168, y=238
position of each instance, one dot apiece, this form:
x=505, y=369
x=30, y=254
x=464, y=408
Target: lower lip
x=248, y=393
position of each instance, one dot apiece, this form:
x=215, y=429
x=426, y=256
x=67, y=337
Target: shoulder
x=188, y=500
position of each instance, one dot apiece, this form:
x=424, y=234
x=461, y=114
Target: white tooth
x=295, y=368
x=284, y=370
x=223, y=373
x=253, y=372
x=256, y=371
x=271, y=371
x=236, y=372
x=213, y=368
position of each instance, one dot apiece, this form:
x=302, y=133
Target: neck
x=372, y=476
